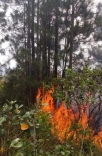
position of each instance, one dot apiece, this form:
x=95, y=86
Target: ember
x=67, y=122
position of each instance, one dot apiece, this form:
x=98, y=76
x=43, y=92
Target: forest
x=50, y=101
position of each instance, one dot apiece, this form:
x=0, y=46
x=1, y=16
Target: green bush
x=28, y=132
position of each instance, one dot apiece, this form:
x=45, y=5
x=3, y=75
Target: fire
x=46, y=99
x=66, y=122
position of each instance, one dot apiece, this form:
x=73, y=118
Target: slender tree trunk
x=32, y=35
x=44, y=71
x=44, y=54
x=28, y=38
x=38, y=29
x=28, y=22
x=28, y=62
x=56, y=43
x=24, y=27
x=64, y=59
x=66, y=45
x=49, y=54
x=49, y=40
x=71, y=36
x=33, y=72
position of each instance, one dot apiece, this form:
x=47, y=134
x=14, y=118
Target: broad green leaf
x=62, y=153
x=32, y=132
x=2, y=131
x=16, y=143
x=15, y=140
x=41, y=140
x=16, y=106
x=20, y=106
x=2, y=119
x=12, y=102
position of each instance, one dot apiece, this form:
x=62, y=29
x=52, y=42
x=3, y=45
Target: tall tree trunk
x=44, y=71
x=28, y=22
x=71, y=36
x=32, y=35
x=38, y=29
x=49, y=53
x=44, y=53
x=49, y=39
x=28, y=62
x=33, y=71
x=24, y=27
x=65, y=57
x=28, y=38
x=56, y=43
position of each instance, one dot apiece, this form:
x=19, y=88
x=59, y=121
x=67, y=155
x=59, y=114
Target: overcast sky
x=97, y=1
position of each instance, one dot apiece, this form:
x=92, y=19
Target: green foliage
x=80, y=87
x=24, y=133
x=16, y=85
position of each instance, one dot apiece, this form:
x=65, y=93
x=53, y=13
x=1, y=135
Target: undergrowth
x=28, y=133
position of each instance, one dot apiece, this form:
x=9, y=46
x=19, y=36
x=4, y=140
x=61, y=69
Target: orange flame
x=46, y=99
x=65, y=122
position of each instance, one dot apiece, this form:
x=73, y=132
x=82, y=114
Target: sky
x=97, y=1
x=6, y=46
x=4, y=58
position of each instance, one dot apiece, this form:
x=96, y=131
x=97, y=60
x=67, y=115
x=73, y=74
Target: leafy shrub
x=28, y=132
